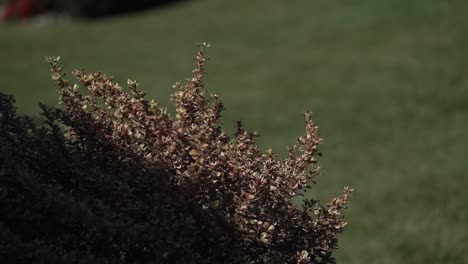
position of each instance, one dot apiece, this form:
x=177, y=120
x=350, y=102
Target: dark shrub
x=97, y=8
x=113, y=178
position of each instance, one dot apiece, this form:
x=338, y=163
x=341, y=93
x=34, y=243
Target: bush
x=95, y=8
x=114, y=178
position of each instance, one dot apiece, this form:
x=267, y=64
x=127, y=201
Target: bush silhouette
x=114, y=178
x=98, y=8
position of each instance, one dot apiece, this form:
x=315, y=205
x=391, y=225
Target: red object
x=18, y=9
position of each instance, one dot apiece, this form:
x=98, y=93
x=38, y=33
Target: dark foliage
x=113, y=178
x=62, y=201
x=98, y=8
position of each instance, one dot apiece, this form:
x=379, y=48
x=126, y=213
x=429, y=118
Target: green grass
x=387, y=81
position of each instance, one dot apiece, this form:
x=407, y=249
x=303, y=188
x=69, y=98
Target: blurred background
x=387, y=82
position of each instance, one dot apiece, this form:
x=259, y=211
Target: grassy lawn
x=387, y=81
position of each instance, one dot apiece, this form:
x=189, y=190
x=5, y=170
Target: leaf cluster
x=114, y=178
